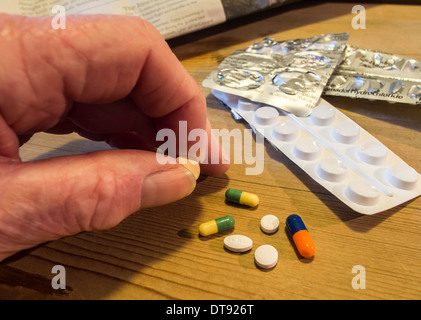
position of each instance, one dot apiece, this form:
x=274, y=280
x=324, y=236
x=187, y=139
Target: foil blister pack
x=376, y=75
x=333, y=150
x=291, y=74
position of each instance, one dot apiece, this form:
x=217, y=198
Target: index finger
x=96, y=59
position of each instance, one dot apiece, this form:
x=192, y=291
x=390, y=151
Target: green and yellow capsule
x=217, y=225
x=242, y=197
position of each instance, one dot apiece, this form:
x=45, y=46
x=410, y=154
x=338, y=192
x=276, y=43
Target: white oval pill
x=266, y=256
x=269, y=223
x=238, y=243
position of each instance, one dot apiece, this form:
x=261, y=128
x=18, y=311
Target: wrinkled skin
x=108, y=78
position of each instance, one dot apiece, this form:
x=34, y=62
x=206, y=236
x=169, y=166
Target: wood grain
x=157, y=254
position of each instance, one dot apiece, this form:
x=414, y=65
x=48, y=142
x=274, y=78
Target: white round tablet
x=346, y=132
x=266, y=256
x=285, y=131
x=269, y=223
x=266, y=116
x=362, y=192
x=331, y=169
x=307, y=149
x=372, y=152
x=402, y=176
x=246, y=105
x=322, y=115
x=238, y=243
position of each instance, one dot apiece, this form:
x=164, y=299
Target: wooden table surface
x=157, y=253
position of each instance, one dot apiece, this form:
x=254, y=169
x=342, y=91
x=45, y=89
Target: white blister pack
x=332, y=149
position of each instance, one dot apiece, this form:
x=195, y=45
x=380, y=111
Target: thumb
x=47, y=199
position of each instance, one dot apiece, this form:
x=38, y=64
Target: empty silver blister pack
x=291, y=74
x=376, y=75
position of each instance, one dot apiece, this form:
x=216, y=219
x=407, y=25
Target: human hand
x=109, y=78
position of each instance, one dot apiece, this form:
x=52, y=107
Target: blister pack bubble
x=333, y=150
x=376, y=75
x=291, y=74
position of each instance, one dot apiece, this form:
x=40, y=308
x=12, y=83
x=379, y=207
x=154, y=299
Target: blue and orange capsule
x=300, y=236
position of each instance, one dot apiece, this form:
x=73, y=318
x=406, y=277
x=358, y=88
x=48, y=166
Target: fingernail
x=191, y=165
